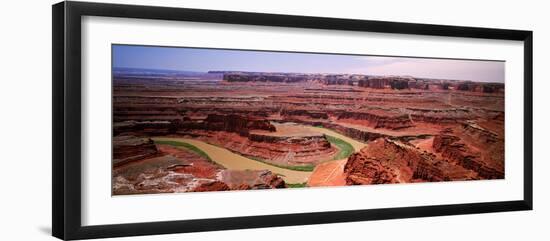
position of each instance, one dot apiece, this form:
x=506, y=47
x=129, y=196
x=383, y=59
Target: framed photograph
x=169, y=120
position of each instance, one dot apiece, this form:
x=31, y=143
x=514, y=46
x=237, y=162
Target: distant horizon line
x=207, y=72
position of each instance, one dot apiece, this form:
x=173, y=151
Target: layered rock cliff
x=377, y=119
x=213, y=122
x=236, y=124
x=453, y=148
x=131, y=148
x=389, y=161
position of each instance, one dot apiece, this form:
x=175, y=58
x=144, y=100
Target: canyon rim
x=198, y=119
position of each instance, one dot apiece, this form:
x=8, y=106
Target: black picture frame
x=66, y=127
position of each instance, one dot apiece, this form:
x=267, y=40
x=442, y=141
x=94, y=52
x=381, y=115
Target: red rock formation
x=235, y=123
x=435, y=119
x=238, y=113
x=131, y=148
x=249, y=179
x=387, y=161
x=211, y=186
x=375, y=82
x=360, y=135
x=172, y=170
x=213, y=122
x=356, y=134
x=378, y=119
x=391, y=161
x=265, y=77
x=480, y=133
x=281, y=150
x=427, y=169
x=150, y=128
x=338, y=80
x=248, y=136
x=363, y=171
x=440, y=116
x=393, y=82
x=481, y=87
x=308, y=113
x=453, y=148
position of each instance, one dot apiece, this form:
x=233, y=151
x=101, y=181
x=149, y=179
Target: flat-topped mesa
x=393, y=82
x=293, y=150
x=387, y=161
x=327, y=79
x=453, y=148
x=130, y=148
x=319, y=140
x=290, y=144
x=339, y=79
x=284, y=144
x=479, y=87
x=266, y=77
x=377, y=119
x=428, y=84
x=366, y=81
x=376, y=83
x=236, y=124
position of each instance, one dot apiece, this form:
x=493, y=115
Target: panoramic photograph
x=203, y=119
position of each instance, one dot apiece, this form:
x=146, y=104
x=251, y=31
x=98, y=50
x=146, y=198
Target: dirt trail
x=234, y=161
x=328, y=174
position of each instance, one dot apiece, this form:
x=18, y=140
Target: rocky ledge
x=378, y=119
x=392, y=161
x=131, y=148
x=451, y=147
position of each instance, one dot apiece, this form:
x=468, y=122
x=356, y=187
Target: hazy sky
x=194, y=59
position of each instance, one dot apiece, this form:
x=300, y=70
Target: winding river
x=357, y=145
x=235, y=161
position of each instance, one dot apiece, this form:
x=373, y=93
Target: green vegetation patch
x=346, y=149
x=185, y=145
x=296, y=185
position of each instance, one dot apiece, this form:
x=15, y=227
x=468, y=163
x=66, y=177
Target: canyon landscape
x=203, y=128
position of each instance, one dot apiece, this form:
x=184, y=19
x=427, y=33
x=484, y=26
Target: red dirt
x=201, y=168
x=328, y=174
